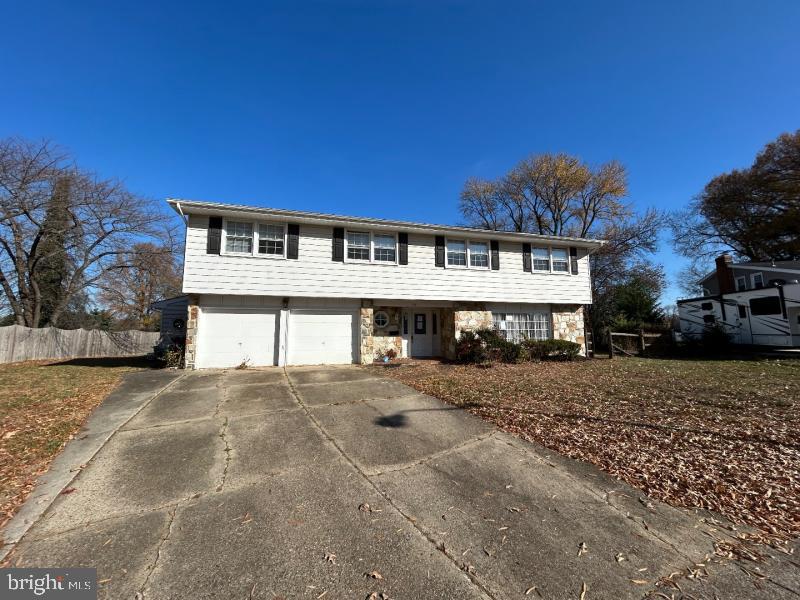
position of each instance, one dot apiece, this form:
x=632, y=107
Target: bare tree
x=127, y=293
x=551, y=194
x=558, y=194
x=104, y=223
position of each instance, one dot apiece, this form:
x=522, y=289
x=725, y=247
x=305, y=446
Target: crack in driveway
x=438, y=545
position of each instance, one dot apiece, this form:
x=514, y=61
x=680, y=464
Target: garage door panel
x=229, y=337
x=321, y=337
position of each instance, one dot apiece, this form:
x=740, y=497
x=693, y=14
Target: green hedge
x=486, y=345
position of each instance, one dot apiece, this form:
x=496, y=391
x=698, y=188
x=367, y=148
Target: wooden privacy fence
x=19, y=343
x=630, y=344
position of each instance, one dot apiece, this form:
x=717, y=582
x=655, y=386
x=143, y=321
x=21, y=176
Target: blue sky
x=385, y=108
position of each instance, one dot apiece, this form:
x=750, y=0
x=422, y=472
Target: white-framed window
x=479, y=255
x=758, y=280
x=560, y=259
x=516, y=327
x=255, y=238
x=271, y=239
x=741, y=283
x=456, y=253
x=385, y=247
x=541, y=259
x=370, y=247
x=547, y=259
x=358, y=246
x=239, y=237
x=467, y=254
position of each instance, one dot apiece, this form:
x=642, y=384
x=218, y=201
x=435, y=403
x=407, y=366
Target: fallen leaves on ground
x=717, y=435
x=42, y=406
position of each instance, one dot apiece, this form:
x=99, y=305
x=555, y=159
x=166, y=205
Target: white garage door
x=229, y=337
x=319, y=337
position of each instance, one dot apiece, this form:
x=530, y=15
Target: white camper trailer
x=768, y=316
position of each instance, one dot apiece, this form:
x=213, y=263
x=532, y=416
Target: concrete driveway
x=335, y=483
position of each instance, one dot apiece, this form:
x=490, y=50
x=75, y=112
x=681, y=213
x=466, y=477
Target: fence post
x=642, y=346
x=610, y=344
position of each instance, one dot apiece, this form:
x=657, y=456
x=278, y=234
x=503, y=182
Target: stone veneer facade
x=568, y=325
x=462, y=318
x=190, y=353
x=377, y=341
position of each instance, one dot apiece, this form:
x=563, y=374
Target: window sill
x=251, y=255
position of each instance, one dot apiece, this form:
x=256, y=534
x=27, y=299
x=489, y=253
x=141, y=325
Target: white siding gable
x=314, y=274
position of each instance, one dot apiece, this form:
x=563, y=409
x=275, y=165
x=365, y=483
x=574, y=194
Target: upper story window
x=357, y=245
x=239, y=237
x=456, y=253
x=741, y=284
x=550, y=260
x=560, y=260
x=255, y=239
x=271, y=239
x=479, y=254
x=758, y=280
x=385, y=248
x=541, y=259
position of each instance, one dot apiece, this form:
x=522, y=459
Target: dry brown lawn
x=719, y=435
x=42, y=406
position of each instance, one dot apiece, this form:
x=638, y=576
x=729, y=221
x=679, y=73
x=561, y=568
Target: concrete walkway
x=334, y=483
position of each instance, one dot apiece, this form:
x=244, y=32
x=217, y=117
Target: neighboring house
x=275, y=287
x=173, y=319
x=748, y=275
x=755, y=303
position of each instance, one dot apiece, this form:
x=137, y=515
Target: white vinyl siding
x=314, y=274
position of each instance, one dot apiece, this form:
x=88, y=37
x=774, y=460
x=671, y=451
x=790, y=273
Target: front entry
x=420, y=329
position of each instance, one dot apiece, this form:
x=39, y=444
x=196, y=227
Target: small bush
x=487, y=345
x=471, y=349
x=551, y=350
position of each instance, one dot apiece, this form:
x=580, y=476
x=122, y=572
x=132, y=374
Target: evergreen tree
x=53, y=263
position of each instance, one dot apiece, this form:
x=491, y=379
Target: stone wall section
x=190, y=354
x=365, y=335
x=568, y=325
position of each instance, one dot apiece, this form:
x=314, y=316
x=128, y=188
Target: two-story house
x=276, y=287
x=729, y=276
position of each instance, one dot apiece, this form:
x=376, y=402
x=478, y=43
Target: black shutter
x=214, y=238
x=293, y=240
x=573, y=259
x=338, y=244
x=495, y=255
x=439, y=250
x=526, y=257
x=402, y=238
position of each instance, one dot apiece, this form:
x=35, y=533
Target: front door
x=421, y=333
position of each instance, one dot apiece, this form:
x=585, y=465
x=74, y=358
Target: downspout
x=180, y=211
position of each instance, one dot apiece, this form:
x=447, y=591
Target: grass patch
x=718, y=435
x=42, y=406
